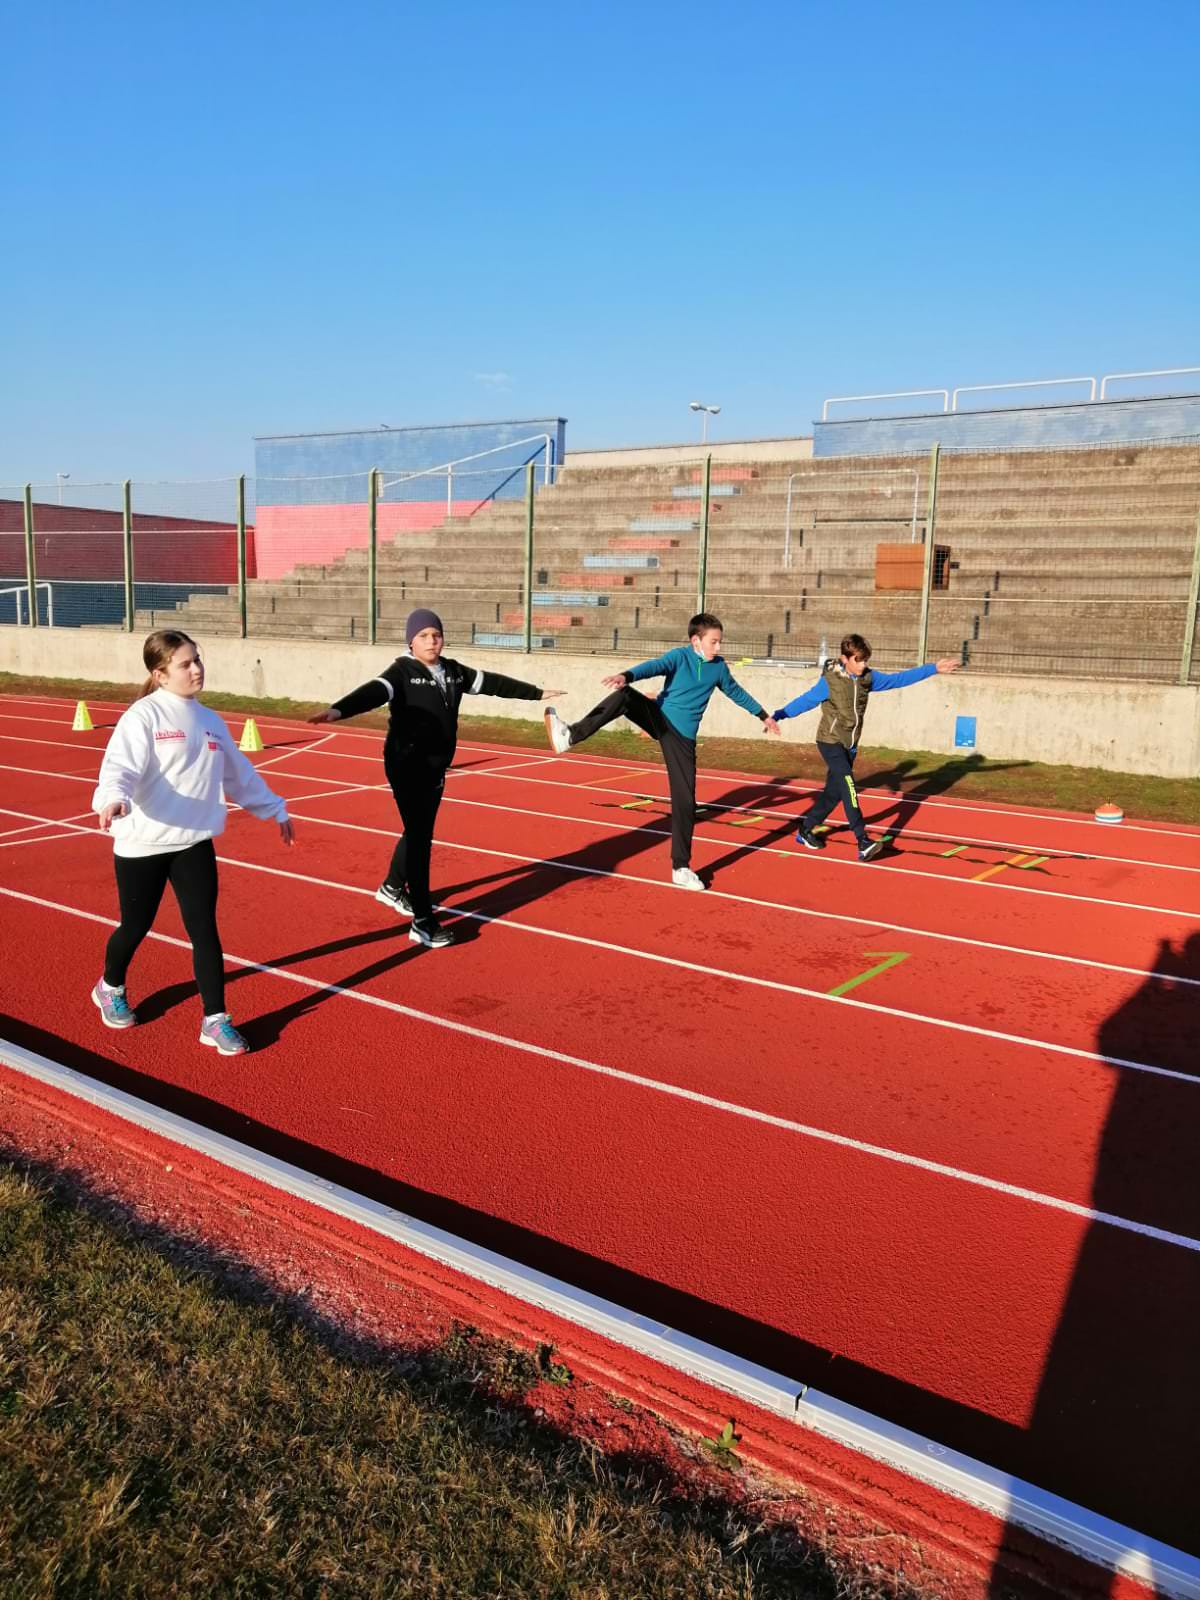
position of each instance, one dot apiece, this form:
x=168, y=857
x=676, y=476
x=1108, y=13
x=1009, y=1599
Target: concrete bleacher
x=1060, y=561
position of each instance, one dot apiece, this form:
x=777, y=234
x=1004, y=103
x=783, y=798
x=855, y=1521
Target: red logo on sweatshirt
x=170, y=733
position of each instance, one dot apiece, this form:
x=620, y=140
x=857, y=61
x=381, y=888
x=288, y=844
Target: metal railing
x=950, y=396
x=544, y=439
x=1074, y=557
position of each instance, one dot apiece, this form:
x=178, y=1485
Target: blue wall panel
x=1014, y=428
x=339, y=462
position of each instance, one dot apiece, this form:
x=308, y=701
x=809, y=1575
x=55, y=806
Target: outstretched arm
x=509, y=688
x=367, y=697
x=730, y=687
x=881, y=681
x=804, y=702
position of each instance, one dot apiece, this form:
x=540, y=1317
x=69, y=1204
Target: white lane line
x=867, y=924
x=287, y=755
x=584, y=758
x=993, y=886
x=909, y=831
x=798, y=990
x=42, y=822
x=505, y=774
x=50, y=838
x=673, y=1091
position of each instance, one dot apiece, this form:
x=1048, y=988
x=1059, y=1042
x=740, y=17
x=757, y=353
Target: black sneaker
x=807, y=839
x=872, y=848
x=396, y=898
x=431, y=935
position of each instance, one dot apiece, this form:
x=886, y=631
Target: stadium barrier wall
x=1147, y=728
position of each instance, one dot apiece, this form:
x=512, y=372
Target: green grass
x=168, y=1427
x=910, y=772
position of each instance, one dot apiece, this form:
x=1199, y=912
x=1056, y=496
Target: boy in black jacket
x=422, y=691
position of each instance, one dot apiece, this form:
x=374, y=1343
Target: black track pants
x=141, y=880
x=839, y=789
x=679, y=754
x=418, y=792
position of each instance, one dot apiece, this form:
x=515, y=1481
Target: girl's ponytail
x=157, y=651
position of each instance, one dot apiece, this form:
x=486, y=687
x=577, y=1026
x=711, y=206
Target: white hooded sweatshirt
x=169, y=759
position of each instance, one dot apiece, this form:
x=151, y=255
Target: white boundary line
x=765, y=779
x=1098, y=1539
x=868, y=924
x=505, y=772
x=842, y=1141
x=725, y=975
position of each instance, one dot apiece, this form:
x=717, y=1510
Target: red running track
x=960, y=1193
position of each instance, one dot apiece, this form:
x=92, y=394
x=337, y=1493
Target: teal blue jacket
x=690, y=683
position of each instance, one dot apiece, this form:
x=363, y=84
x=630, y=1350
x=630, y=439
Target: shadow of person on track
x=905, y=806
x=1117, y=1414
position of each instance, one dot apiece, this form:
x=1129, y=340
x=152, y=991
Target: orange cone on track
x=83, y=718
x=251, y=738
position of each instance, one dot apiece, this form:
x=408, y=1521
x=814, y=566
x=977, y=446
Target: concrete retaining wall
x=1123, y=727
x=666, y=455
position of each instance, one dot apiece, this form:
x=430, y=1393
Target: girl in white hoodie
x=160, y=793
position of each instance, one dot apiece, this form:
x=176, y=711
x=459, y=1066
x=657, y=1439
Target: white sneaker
x=685, y=878
x=557, y=731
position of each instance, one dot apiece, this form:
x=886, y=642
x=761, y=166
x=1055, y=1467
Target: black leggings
x=140, y=884
x=679, y=755
x=839, y=787
x=418, y=792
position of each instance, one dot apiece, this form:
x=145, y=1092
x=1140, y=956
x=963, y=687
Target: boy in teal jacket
x=692, y=673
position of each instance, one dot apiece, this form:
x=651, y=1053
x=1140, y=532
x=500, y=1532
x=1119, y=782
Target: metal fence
x=1079, y=563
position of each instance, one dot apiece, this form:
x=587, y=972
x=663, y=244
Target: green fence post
x=702, y=564
x=241, y=551
x=373, y=553
x=529, y=475
x=30, y=562
x=927, y=570
x=1189, y=622
x=127, y=541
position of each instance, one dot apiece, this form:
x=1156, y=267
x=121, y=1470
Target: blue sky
x=225, y=220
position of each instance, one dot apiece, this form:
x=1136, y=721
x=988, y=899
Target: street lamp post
x=706, y=411
x=62, y=478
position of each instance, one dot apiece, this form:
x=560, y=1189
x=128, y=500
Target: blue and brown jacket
x=845, y=698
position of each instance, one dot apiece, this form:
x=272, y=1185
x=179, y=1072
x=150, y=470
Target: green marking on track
x=955, y=850
x=892, y=959
x=634, y=805
x=1034, y=861
x=744, y=822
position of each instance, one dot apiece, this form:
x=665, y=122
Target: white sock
x=217, y=1016
x=110, y=988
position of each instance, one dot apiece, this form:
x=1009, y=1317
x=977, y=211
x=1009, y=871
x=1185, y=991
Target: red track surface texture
x=960, y=1193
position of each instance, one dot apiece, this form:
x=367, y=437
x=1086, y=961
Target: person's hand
x=287, y=833
x=115, y=808
x=553, y=694
x=328, y=715
x=949, y=664
x=617, y=681
x=771, y=726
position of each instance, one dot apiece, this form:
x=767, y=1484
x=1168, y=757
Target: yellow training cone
x=251, y=738
x=83, y=718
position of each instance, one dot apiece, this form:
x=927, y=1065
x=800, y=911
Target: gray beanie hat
x=418, y=621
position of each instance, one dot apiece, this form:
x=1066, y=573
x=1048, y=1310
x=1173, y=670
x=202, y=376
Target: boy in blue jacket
x=843, y=689
x=692, y=672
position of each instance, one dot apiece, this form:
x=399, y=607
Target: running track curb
x=860, y=1464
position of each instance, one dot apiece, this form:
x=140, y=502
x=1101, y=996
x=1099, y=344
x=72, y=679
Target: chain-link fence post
x=241, y=552
x=927, y=569
x=530, y=470
x=372, y=553
x=30, y=560
x=1189, y=622
x=127, y=543
x=702, y=561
